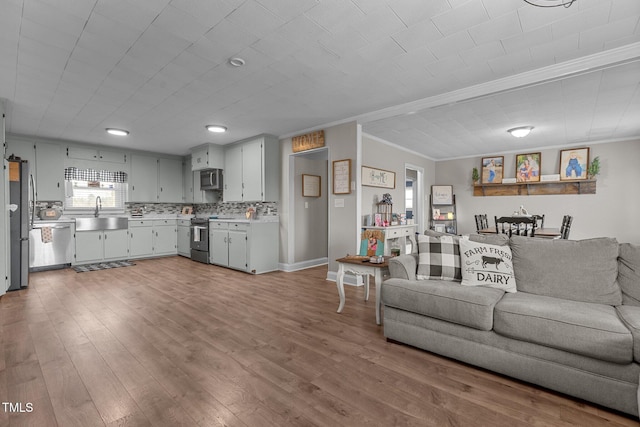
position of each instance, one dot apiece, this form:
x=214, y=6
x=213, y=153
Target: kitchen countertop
x=261, y=219
x=72, y=219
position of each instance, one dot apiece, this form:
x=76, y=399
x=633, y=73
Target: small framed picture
x=310, y=185
x=492, y=168
x=528, y=167
x=574, y=163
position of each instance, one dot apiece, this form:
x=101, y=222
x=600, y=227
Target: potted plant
x=594, y=168
x=475, y=175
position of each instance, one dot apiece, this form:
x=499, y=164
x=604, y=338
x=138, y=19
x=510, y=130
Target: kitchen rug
x=102, y=266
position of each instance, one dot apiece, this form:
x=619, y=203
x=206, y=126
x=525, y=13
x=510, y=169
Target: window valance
x=71, y=174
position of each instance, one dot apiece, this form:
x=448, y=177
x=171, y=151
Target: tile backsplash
x=220, y=208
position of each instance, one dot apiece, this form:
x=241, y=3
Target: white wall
x=384, y=155
x=613, y=211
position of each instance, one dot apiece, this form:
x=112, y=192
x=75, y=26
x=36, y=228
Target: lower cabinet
x=149, y=238
x=184, y=237
x=246, y=246
x=101, y=245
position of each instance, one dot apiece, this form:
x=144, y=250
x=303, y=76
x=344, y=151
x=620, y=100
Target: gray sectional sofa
x=572, y=326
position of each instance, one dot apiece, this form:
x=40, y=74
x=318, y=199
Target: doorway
x=414, y=196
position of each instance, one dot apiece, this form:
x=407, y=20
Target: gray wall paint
x=381, y=155
x=311, y=216
x=613, y=211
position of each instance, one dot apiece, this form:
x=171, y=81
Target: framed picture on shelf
x=442, y=194
x=492, y=170
x=528, y=167
x=574, y=163
x=436, y=213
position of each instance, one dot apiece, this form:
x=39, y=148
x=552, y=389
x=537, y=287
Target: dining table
x=546, y=232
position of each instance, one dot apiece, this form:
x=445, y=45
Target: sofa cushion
x=486, y=265
x=592, y=330
x=491, y=239
x=584, y=270
x=630, y=315
x=439, y=258
x=472, y=307
x=629, y=273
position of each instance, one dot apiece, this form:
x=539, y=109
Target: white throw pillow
x=487, y=265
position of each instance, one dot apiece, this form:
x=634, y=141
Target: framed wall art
x=442, y=195
x=373, y=177
x=528, y=167
x=310, y=185
x=342, y=176
x=574, y=163
x=492, y=170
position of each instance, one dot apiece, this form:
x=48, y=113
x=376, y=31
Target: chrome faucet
x=98, y=206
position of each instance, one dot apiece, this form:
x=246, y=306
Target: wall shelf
x=585, y=186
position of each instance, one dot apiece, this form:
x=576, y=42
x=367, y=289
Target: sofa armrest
x=403, y=266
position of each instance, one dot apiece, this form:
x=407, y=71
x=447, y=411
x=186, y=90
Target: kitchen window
x=81, y=195
x=84, y=186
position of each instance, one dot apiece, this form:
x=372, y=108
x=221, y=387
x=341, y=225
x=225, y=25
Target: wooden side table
x=361, y=267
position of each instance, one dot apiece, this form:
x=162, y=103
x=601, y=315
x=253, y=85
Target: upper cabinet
x=49, y=175
x=208, y=156
x=252, y=170
x=94, y=154
x=155, y=179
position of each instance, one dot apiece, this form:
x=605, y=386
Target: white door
x=219, y=246
x=169, y=180
x=116, y=245
x=165, y=242
x=144, y=179
x=50, y=172
x=89, y=246
x=140, y=242
x=233, y=174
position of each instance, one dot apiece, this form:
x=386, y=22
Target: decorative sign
x=310, y=185
x=342, y=176
x=308, y=142
x=378, y=177
x=442, y=194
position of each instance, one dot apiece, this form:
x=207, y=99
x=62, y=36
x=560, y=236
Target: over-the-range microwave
x=211, y=179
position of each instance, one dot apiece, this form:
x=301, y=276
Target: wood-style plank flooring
x=172, y=342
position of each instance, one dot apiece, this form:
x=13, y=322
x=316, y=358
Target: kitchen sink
x=102, y=223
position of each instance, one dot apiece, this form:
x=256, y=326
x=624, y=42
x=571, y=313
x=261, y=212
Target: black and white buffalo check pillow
x=439, y=258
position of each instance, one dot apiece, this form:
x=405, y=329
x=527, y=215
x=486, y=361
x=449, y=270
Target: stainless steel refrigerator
x=19, y=223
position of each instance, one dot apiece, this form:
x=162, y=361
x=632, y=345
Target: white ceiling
x=444, y=78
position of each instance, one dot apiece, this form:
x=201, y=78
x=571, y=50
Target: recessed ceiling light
x=237, y=62
x=117, y=132
x=216, y=128
x=520, y=132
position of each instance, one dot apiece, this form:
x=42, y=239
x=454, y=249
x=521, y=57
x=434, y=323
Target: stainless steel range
x=200, y=239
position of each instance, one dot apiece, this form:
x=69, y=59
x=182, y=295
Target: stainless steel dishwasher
x=50, y=245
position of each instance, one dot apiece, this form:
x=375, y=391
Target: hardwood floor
x=172, y=342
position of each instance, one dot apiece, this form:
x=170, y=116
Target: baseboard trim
x=302, y=265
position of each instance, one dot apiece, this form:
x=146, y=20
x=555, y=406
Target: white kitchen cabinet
x=24, y=149
x=101, y=245
x=187, y=181
x=165, y=237
x=184, y=236
x=140, y=238
x=155, y=179
x=208, y=156
x=95, y=154
x=169, y=187
x=144, y=178
x=252, y=170
x=49, y=172
x=247, y=246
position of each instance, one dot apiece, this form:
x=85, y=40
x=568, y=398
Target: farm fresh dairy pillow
x=487, y=265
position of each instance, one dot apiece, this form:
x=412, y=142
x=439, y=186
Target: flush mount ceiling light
x=216, y=128
x=117, y=132
x=237, y=62
x=520, y=132
x=550, y=3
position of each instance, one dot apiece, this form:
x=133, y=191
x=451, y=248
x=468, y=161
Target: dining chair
x=481, y=222
x=539, y=220
x=520, y=226
x=566, y=226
